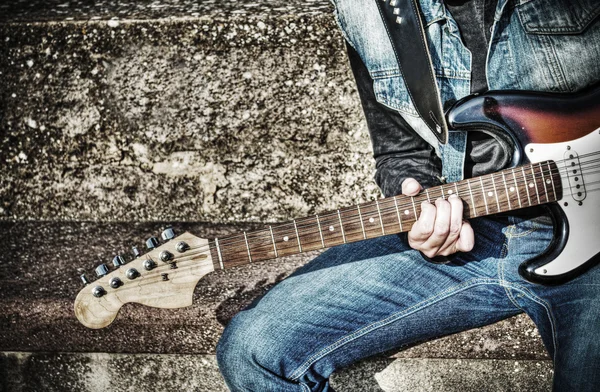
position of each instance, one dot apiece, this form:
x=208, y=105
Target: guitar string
x=268, y=242
x=328, y=216
x=258, y=234
x=186, y=257
x=156, y=275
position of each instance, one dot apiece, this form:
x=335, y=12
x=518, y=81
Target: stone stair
x=118, y=120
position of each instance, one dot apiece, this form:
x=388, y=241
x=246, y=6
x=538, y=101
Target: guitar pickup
x=575, y=175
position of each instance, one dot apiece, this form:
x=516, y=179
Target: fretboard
x=507, y=190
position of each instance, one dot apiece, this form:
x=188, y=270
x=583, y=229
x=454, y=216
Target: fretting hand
x=440, y=229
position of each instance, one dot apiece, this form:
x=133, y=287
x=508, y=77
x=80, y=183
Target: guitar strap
x=404, y=26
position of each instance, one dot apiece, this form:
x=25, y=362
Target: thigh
x=361, y=299
x=567, y=316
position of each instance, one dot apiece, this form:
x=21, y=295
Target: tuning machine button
x=98, y=291
x=149, y=264
x=136, y=252
x=115, y=282
x=167, y=234
x=151, y=243
x=101, y=270
x=118, y=261
x=132, y=273
x=182, y=246
x=165, y=256
x=84, y=280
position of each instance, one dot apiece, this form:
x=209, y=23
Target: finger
x=423, y=227
x=411, y=187
x=466, y=239
x=464, y=242
x=441, y=228
x=456, y=217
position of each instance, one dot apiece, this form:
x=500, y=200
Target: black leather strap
x=404, y=26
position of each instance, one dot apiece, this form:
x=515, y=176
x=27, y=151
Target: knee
x=245, y=355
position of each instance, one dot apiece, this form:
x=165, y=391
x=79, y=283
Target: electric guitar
x=556, y=162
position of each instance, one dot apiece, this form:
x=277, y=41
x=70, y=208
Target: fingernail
x=453, y=196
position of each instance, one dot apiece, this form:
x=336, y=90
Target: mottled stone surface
x=434, y=375
x=24, y=372
x=228, y=118
x=39, y=279
x=61, y=10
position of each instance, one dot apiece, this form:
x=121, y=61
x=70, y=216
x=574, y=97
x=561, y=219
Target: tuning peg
x=84, y=280
x=101, y=270
x=136, y=252
x=118, y=261
x=168, y=234
x=151, y=243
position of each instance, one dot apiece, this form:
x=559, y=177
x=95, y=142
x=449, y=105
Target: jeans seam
x=527, y=293
x=504, y=283
x=381, y=323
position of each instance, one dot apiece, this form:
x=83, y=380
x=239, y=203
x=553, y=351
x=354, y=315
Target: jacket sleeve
x=398, y=150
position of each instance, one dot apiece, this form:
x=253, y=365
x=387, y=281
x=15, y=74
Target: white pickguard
x=583, y=212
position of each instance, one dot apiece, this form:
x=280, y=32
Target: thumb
x=411, y=187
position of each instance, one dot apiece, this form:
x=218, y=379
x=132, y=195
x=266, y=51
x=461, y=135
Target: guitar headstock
x=165, y=277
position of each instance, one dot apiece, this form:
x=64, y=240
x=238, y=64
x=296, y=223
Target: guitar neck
x=504, y=191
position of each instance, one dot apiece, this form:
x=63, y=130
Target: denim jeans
x=361, y=299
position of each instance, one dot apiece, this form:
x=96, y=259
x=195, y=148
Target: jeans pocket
x=557, y=16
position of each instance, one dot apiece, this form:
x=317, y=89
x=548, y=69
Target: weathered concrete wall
x=24, y=372
x=240, y=118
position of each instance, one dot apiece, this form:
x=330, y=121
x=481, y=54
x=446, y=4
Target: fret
x=380, y=220
x=297, y=236
x=517, y=187
x=442, y=189
x=427, y=193
x=362, y=224
x=496, y=193
x=535, y=184
x=320, y=231
x=552, y=181
x=219, y=253
x=506, y=190
x=472, y=198
x=247, y=247
x=484, y=196
x=398, y=212
x=273, y=239
x=341, y=226
x=414, y=207
x=544, y=182
x=525, y=183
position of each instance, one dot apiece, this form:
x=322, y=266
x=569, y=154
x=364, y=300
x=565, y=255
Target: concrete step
x=236, y=115
x=39, y=264
x=24, y=372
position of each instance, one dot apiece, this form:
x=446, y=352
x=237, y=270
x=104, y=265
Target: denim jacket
x=540, y=45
